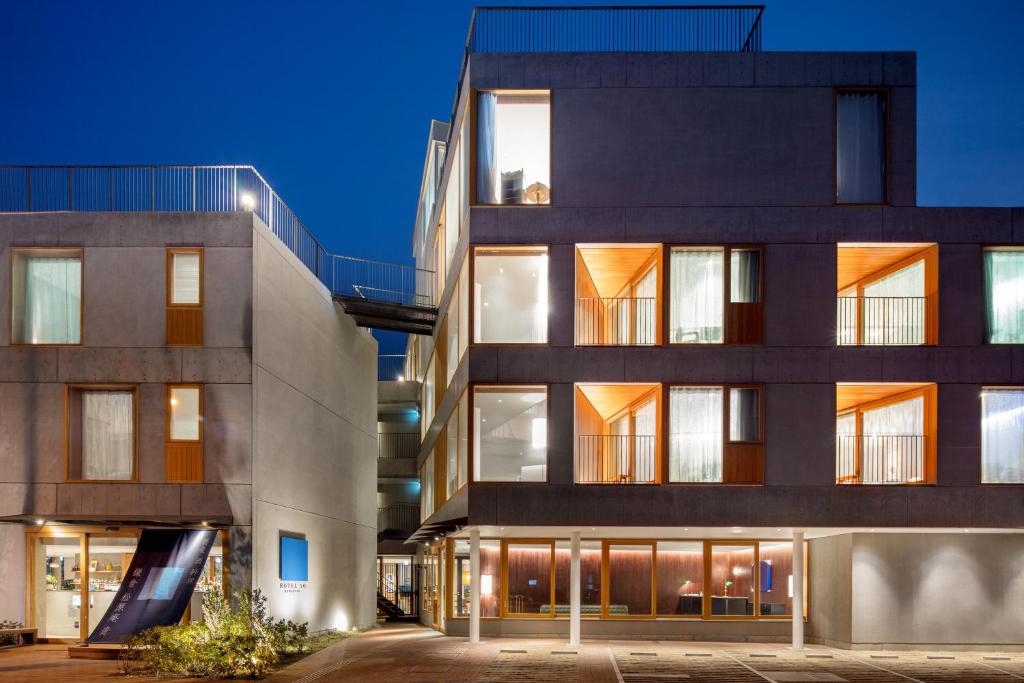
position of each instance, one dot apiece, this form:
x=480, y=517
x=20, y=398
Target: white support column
x=574, y=590
x=798, y=590
x=474, y=585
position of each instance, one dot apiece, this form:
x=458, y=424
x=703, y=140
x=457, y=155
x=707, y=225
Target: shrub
x=243, y=641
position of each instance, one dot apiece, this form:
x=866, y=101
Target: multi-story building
x=170, y=355
x=701, y=363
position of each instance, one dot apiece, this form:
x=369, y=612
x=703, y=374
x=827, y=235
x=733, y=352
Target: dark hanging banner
x=159, y=583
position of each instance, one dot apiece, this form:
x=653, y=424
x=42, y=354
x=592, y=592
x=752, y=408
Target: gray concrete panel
x=800, y=434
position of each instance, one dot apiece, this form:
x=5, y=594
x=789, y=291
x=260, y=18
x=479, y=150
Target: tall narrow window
x=46, y=296
x=695, y=434
x=452, y=202
x=101, y=433
x=183, y=458
x=185, y=297
x=427, y=487
x=510, y=429
x=744, y=414
x=745, y=276
x=1002, y=435
x=697, y=296
x=513, y=140
x=1004, y=296
x=451, y=470
x=510, y=297
x=860, y=147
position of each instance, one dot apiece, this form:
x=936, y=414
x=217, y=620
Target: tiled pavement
x=412, y=654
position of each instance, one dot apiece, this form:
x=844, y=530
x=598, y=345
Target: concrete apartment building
x=176, y=362
x=701, y=363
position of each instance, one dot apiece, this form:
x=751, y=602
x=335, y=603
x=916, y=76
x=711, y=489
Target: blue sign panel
x=294, y=559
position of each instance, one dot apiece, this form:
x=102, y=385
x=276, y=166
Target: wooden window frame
x=731, y=449
x=887, y=104
x=59, y=252
x=450, y=579
x=471, y=111
x=471, y=429
x=179, y=314
x=731, y=313
x=134, y=389
x=504, y=607
x=606, y=583
x=175, y=448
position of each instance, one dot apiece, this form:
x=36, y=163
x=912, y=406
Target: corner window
x=860, y=146
x=510, y=295
x=513, y=148
x=101, y=433
x=510, y=434
x=1002, y=435
x=1004, y=296
x=46, y=296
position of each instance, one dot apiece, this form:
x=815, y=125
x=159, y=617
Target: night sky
x=332, y=101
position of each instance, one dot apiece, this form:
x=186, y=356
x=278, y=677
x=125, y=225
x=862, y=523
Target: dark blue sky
x=331, y=101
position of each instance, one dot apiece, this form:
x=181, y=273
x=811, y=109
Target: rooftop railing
x=221, y=188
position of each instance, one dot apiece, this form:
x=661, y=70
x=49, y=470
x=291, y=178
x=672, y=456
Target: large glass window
x=590, y=578
x=57, y=564
x=892, y=307
x=697, y=296
x=892, y=445
x=630, y=578
x=46, y=296
x=732, y=580
x=775, y=578
x=101, y=439
x=1002, y=435
x=860, y=147
x=513, y=148
x=529, y=579
x=510, y=298
x=109, y=559
x=429, y=397
x=680, y=588
x=1004, y=296
x=695, y=434
x=510, y=427
x=451, y=441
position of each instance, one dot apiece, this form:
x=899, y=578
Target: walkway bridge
x=387, y=296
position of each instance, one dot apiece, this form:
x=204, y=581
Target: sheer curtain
x=645, y=297
x=1002, y=436
x=486, y=159
x=893, y=443
x=643, y=450
x=893, y=308
x=745, y=276
x=53, y=296
x=697, y=294
x=846, y=446
x=860, y=148
x=695, y=434
x=108, y=435
x=744, y=415
x=1004, y=296
x=185, y=283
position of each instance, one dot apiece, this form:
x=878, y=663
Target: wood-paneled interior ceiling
x=609, y=399
x=612, y=267
x=857, y=261
x=851, y=395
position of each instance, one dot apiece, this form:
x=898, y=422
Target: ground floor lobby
x=861, y=588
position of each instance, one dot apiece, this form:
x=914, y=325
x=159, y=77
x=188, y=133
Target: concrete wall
x=12, y=568
x=314, y=442
x=829, y=586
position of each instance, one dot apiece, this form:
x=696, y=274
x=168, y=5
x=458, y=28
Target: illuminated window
x=1004, y=296
x=513, y=148
x=101, y=433
x=510, y=300
x=1002, y=435
x=46, y=296
x=510, y=434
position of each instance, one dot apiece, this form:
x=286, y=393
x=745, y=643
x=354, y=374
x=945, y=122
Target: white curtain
x=1004, y=296
x=695, y=434
x=697, y=296
x=846, y=446
x=643, y=449
x=53, y=295
x=644, y=303
x=108, y=435
x=860, y=148
x=185, y=280
x=893, y=307
x=1002, y=436
x=893, y=443
x=185, y=414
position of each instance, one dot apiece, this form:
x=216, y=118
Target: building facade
x=177, y=368
x=701, y=362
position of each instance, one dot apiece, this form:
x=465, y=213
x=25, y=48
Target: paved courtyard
x=412, y=654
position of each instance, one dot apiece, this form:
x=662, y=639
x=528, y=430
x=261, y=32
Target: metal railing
x=393, y=445
x=615, y=459
x=625, y=321
x=880, y=459
x=391, y=367
x=881, y=320
x=211, y=188
x=398, y=518
x=399, y=583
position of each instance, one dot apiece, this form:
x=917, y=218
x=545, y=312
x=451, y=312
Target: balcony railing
x=625, y=321
x=880, y=459
x=398, y=518
x=209, y=189
x=615, y=459
x=391, y=367
x=884, y=320
x=392, y=445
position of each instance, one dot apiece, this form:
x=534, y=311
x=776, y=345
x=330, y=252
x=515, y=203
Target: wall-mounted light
x=248, y=201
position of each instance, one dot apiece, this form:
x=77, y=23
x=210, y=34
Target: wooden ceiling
x=612, y=267
x=857, y=261
x=609, y=399
x=850, y=395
